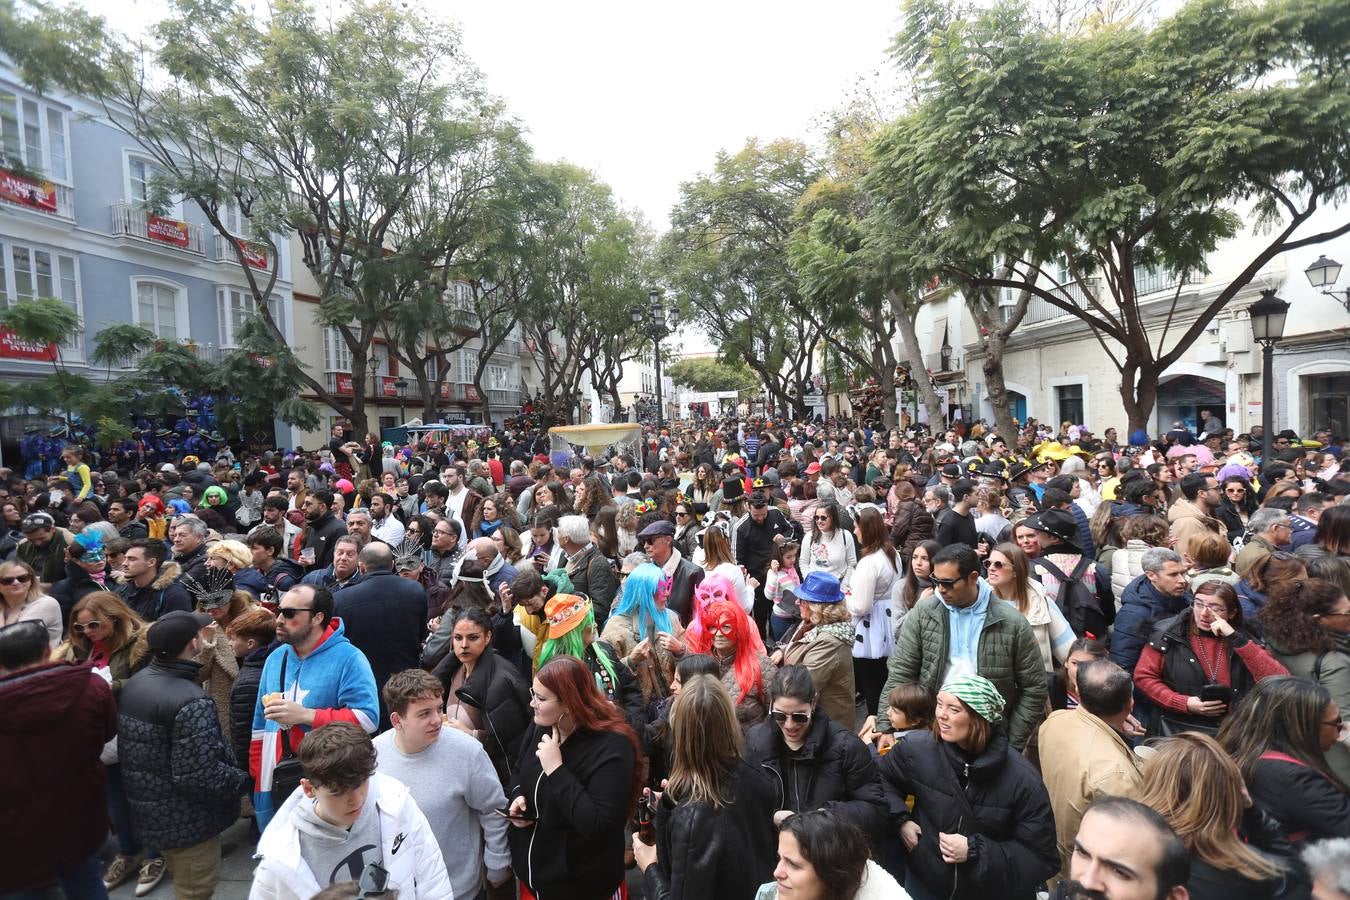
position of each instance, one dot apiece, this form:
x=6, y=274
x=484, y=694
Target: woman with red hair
x=721, y=628
x=576, y=784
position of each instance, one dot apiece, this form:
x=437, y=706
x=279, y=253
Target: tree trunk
x=923, y=382
x=992, y=364
x=1140, y=399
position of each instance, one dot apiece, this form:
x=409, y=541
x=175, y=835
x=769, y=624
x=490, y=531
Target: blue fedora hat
x=819, y=587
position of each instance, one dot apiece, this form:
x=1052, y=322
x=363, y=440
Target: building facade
x=76, y=225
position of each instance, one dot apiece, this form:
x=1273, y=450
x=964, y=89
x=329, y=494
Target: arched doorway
x=1182, y=397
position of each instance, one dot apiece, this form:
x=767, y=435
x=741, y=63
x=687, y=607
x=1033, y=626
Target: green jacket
x=1007, y=655
x=1333, y=674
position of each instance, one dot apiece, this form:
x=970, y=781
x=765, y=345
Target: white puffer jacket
x=1126, y=566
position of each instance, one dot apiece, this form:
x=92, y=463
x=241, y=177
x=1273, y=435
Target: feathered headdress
x=91, y=544
x=408, y=555
x=213, y=590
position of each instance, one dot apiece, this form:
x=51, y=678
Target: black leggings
x=869, y=677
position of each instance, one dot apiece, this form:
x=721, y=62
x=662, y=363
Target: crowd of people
x=757, y=660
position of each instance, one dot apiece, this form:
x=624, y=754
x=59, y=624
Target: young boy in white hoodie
x=347, y=820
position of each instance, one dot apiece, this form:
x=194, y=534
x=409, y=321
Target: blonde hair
x=1197, y=788
x=34, y=582
x=825, y=613
x=124, y=624
x=706, y=742
x=716, y=549
x=234, y=553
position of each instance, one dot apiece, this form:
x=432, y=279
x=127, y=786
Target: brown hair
x=404, y=687
x=1275, y=568
x=123, y=621
x=1225, y=592
x=255, y=624
x=339, y=756
x=716, y=549
x=915, y=701
x=706, y=741
x=873, y=536
x=1152, y=530
x=1290, y=616
x=1209, y=550
x=980, y=729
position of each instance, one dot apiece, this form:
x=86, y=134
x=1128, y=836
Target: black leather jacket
x=499, y=691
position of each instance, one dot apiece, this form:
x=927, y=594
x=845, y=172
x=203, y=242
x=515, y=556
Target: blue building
x=75, y=225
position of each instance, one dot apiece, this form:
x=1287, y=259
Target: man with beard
x=1125, y=851
x=324, y=530
x=315, y=678
x=274, y=516
x=295, y=489
x=122, y=513
x=385, y=525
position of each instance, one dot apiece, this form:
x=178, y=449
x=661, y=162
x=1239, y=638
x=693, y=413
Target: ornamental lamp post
x=402, y=387
x=1268, y=316
x=1323, y=274
x=656, y=324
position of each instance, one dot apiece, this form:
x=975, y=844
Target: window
x=140, y=186
x=468, y=362
x=1069, y=401
x=463, y=295
x=497, y=377
x=157, y=309
x=337, y=356
x=28, y=273
x=33, y=134
x=234, y=307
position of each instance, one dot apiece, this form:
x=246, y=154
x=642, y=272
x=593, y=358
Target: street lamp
x=1268, y=315
x=656, y=324
x=1323, y=274
x=402, y=387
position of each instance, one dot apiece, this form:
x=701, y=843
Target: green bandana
x=979, y=694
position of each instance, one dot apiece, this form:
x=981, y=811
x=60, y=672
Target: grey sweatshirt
x=336, y=854
x=456, y=787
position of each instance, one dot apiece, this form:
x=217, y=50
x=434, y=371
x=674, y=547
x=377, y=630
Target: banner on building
x=166, y=231
x=27, y=191
x=14, y=347
x=254, y=255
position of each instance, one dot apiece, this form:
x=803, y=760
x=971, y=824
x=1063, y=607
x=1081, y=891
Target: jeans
x=119, y=810
x=82, y=881
x=779, y=627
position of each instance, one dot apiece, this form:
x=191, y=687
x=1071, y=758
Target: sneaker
x=119, y=870
x=152, y=873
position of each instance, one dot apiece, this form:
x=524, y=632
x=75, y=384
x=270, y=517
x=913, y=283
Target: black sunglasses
x=945, y=582
x=798, y=718
x=293, y=611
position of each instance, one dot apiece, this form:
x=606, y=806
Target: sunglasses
x=798, y=718
x=16, y=579
x=948, y=583
x=91, y=626
x=822, y=518
x=1333, y=723
x=681, y=515
x=293, y=611
x=995, y=564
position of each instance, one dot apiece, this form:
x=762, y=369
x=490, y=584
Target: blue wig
x=639, y=601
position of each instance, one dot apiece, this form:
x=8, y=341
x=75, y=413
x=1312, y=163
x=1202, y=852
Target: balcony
x=256, y=255
x=1148, y=281
x=129, y=220
x=941, y=363
x=203, y=352
x=463, y=318
x=36, y=194
x=503, y=399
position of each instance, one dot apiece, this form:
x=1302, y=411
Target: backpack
x=1075, y=599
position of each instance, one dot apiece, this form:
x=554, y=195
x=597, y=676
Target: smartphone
x=1211, y=692
x=505, y=813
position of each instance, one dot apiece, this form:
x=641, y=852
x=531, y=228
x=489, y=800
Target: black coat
x=182, y=783
x=385, y=618
x=833, y=770
x=193, y=563
x=574, y=850
x=160, y=596
x=320, y=538
x=707, y=853
x=687, y=577
x=1012, y=834
x=500, y=692
x=1308, y=806
x=73, y=588
x=243, y=699
x=1183, y=673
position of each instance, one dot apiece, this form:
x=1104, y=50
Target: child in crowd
x=783, y=578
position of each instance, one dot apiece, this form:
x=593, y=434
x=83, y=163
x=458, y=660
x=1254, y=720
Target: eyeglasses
x=680, y=515
x=88, y=626
x=798, y=718
x=947, y=583
x=1235, y=491
x=290, y=612
x=1212, y=608
x=1333, y=723
x=16, y=579
x=726, y=628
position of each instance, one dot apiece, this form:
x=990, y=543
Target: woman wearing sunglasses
x=981, y=825
x=812, y=760
x=1009, y=574
x=830, y=548
x=21, y=599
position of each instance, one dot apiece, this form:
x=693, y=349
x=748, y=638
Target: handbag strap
x=286, y=751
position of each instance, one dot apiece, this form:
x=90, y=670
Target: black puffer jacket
x=243, y=700
x=181, y=779
x=1304, y=801
x=574, y=850
x=193, y=563
x=1011, y=831
x=833, y=770
x=497, y=690
x=77, y=585
x=703, y=853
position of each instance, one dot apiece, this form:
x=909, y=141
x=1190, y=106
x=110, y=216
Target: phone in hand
x=505, y=813
x=1211, y=692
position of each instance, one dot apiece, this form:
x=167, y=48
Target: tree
x=714, y=375
x=727, y=257
x=1116, y=150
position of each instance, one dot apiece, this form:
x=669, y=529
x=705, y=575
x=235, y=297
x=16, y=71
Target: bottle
x=646, y=821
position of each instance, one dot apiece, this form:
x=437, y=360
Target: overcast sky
x=645, y=94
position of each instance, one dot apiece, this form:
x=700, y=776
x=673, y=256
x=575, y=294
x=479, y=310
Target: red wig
x=571, y=680
x=746, y=641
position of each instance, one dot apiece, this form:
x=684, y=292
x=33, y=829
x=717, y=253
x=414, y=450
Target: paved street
x=235, y=875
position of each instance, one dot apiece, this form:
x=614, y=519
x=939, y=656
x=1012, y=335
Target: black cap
x=658, y=529
x=951, y=470
x=36, y=521
x=1056, y=522
x=171, y=632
